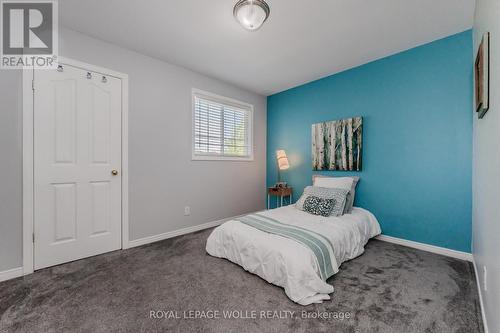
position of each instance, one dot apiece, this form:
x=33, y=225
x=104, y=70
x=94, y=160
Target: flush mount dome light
x=251, y=13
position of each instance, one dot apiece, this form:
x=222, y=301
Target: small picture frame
x=281, y=185
x=482, y=76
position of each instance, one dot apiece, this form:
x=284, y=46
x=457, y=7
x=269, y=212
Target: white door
x=77, y=161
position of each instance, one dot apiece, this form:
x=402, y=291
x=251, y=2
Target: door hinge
x=33, y=237
x=33, y=85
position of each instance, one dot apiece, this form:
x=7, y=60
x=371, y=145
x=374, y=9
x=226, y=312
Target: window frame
x=226, y=101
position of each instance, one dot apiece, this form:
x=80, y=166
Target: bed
x=286, y=262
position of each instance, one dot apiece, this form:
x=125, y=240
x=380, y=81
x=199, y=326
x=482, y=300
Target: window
x=222, y=128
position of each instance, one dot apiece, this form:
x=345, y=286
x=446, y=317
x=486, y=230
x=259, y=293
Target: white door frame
x=28, y=160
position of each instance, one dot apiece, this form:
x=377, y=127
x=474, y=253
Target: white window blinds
x=221, y=129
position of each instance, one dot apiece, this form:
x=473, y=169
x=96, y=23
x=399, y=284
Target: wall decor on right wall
x=336, y=145
x=482, y=76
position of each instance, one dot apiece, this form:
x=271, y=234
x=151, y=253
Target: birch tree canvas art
x=336, y=145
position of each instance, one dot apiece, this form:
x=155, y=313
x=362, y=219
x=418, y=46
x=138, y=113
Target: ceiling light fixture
x=251, y=13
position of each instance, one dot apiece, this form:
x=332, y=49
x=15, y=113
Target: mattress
x=287, y=263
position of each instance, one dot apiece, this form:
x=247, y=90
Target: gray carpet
x=390, y=288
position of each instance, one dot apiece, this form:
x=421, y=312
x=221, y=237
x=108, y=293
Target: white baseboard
x=426, y=247
x=16, y=272
x=11, y=273
x=479, y=290
x=179, y=232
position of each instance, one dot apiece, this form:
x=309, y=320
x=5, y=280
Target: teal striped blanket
x=319, y=244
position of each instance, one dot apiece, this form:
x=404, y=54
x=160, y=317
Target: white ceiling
x=302, y=40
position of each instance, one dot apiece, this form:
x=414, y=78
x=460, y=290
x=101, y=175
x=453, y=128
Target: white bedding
x=287, y=263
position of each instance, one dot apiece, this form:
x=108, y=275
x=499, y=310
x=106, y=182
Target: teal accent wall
x=417, y=138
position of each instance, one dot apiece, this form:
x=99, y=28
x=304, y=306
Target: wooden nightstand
x=279, y=193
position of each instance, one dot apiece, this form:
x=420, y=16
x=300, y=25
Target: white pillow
x=333, y=182
x=348, y=183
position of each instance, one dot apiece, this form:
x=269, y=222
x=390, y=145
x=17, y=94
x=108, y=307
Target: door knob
x=114, y=172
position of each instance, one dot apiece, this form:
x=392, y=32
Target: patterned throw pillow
x=318, y=206
x=338, y=194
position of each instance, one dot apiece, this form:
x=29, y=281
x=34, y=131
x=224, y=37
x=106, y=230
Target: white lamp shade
x=282, y=160
x=251, y=14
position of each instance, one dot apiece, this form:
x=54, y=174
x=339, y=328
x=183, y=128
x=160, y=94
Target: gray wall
x=486, y=167
x=162, y=177
x=10, y=169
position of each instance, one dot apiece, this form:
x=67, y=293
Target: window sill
x=221, y=158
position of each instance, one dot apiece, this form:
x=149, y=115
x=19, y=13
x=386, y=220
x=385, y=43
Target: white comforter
x=287, y=263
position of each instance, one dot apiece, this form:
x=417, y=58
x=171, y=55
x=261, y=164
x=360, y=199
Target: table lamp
x=282, y=165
